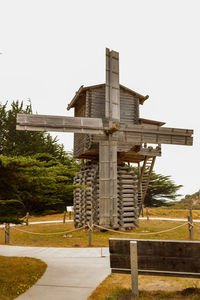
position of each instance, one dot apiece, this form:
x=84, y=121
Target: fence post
x=27, y=218
x=64, y=216
x=147, y=213
x=70, y=215
x=190, y=227
x=143, y=210
x=134, y=268
x=7, y=233
x=90, y=232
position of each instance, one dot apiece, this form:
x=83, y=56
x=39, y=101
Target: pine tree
x=26, y=143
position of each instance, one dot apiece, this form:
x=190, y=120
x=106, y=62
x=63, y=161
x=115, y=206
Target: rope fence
x=91, y=227
x=49, y=233
x=141, y=233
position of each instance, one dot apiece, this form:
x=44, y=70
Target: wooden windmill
x=109, y=133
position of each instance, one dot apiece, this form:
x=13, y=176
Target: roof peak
x=85, y=88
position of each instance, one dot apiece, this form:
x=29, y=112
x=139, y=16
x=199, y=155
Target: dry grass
x=99, y=239
x=17, y=274
x=118, y=286
x=171, y=213
x=53, y=217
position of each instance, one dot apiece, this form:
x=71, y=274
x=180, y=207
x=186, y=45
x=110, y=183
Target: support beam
x=108, y=183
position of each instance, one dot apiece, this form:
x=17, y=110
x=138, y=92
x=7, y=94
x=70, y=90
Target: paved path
x=150, y=218
x=141, y=218
x=72, y=273
x=42, y=222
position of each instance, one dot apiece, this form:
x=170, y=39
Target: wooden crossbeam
x=132, y=134
x=59, y=124
x=156, y=135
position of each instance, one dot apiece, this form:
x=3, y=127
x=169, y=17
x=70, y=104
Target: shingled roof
x=82, y=89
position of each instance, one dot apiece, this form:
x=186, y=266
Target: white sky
x=51, y=47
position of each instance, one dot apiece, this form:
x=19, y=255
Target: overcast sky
x=51, y=47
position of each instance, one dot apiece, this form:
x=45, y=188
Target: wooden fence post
x=64, y=216
x=190, y=226
x=147, y=213
x=90, y=232
x=7, y=233
x=27, y=218
x=70, y=215
x=143, y=210
x=134, y=268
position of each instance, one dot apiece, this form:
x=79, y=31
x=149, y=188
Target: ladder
x=144, y=179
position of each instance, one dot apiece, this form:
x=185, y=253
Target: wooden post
x=190, y=227
x=142, y=210
x=70, y=215
x=90, y=232
x=27, y=218
x=134, y=268
x=64, y=216
x=7, y=234
x=147, y=213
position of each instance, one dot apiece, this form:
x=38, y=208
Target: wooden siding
x=97, y=102
x=79, y=111
x=129, y=108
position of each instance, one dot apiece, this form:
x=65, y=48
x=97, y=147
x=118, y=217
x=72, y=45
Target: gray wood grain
x=157, y=255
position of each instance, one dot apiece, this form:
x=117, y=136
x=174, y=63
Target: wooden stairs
x=144, y=178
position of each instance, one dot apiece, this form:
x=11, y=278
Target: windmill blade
x=112, y=96
x=108, y=183
x=59, y=124
x=156, y=135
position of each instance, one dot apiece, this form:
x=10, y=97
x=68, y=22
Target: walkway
x=72, y=273
x=141, y=218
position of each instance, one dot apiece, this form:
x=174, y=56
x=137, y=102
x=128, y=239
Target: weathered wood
x=58, y=123
x=134, y=267
x=108, y=183
x=112, y=97
x=64, y=216
x=157, y=255
x=156, y=135
x=190, y=227
x=7, y=233
x=27, y=218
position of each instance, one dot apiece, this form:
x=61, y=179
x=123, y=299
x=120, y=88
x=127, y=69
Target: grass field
x=171, y=213
x=58, y=238
x=17, y=274
x=118, y=287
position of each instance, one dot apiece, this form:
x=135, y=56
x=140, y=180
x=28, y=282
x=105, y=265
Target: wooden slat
x=158, y=273
x=156, y=255
x=156, y=135
x=59, y=124
x=112, y=97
